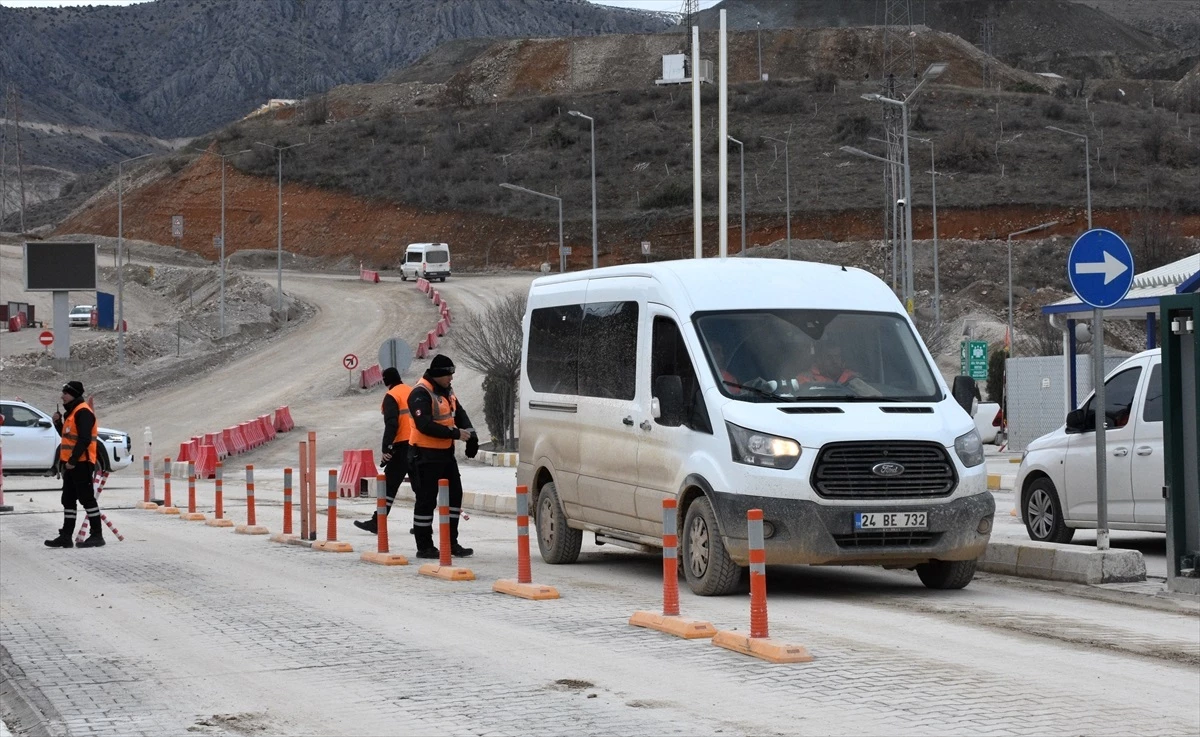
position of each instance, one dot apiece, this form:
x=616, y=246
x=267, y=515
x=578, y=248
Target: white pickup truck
x=1057, y=477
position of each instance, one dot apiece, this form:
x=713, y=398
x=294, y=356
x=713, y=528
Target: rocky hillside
x=183, y=67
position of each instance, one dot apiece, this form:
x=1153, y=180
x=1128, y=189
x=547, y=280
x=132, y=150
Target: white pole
x=222, y=254
x=697, y=206
x=723, y=149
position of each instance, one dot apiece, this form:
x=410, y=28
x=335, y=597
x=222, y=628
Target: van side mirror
x=1077, y=421
x=668, y=390
x=45, y=423
x=963, y=392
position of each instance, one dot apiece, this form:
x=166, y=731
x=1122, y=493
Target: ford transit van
x=800, y=389
x=426, y=261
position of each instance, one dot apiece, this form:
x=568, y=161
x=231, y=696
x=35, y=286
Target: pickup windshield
x=815, y=355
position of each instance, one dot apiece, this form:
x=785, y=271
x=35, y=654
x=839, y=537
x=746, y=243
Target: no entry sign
x=46, y=337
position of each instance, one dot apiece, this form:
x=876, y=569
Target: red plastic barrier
x=283, y=420
x=431, y=338
x=356, y=465
x=437, y=297
x=423, y=285
x=441, y=328
x=371, y=376
x=422, y=349
x=368, y=275
x=230, y=445
x=267, y=426
x=249, y=434
x=187, y=451
x=217, y=441
x=288, y=419
x=206, y=462
x=14, y=324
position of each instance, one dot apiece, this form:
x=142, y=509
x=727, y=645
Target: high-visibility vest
x=443, y=414
x=400, y=393
x=70, y=436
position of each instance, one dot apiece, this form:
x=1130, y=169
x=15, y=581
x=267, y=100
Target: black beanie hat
x=391, y=376
x=440, y=366
x=74, y=388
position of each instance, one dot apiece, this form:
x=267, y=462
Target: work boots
x=371, y=525
x=424, y=540
x=62, y=541
x=95, y=538
x=457, y=550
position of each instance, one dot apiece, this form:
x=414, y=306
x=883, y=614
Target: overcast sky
x=668, y=5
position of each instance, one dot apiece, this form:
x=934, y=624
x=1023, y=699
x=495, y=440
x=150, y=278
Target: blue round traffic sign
x=1100, y=268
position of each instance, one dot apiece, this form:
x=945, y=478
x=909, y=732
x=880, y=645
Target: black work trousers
x=77, y=490
x=395, y=470
x=427, y=468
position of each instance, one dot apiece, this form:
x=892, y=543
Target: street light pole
x=895, y=203
x=937, y=285
x=787, y=190
x=1012, y=343
x=1087, y=167
x=279, y=222
x=742, y=180
x=595, y=249
x=562, y=257
x=759, y=51
x=221, y=309
x=121, y=260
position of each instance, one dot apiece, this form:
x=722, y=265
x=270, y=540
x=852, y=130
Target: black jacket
x=391, y=421
x=420, y=404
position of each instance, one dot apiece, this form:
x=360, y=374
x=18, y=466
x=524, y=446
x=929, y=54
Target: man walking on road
x=77, y=454
x=438, y=420
x=397, y=426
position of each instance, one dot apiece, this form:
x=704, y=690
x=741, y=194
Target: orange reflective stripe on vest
x=400, y=393
x=443, y=414
x=70, y=436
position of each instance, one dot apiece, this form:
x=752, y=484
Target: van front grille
x=883, y=470
x=886, y=538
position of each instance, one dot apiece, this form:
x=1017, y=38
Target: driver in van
x=829, y=367
x=732, y=385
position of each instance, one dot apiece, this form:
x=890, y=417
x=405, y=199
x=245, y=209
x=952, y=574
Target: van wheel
x=946, y=574
x=706, y=565
x=557, y=542
x=1043, y=514
x=403, y=276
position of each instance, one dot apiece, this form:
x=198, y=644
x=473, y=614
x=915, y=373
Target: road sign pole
x=1101, y=430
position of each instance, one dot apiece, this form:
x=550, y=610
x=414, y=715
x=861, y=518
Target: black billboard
x=60, y=267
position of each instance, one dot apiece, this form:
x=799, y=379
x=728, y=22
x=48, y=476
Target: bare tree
x=490, y=341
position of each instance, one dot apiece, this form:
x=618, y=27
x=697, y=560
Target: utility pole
x=279, y=225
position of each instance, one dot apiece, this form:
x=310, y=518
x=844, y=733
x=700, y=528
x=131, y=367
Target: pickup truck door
x=1148, y=474
x=1121, y=393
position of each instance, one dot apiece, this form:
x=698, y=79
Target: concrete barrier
x=1055, y=562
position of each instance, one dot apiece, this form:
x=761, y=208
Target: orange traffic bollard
x=145, y=503
x=443, y=568
x=669, y=621
x=524, y=586
x=381, y=555
x=331, y=544
x=192, y=515
x=218, y=519
x=286, y=536
x=758, y=643
x=251, y=527
x=167, y=507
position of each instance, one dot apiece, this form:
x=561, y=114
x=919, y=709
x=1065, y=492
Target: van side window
x=669, y=357
x=608, y=350
x=553, y=360
x=414, y=257
x=1153, y=411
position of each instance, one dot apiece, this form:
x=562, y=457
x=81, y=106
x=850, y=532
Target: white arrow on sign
x=1111, y=267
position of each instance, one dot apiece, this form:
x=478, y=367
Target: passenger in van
x=731, y=382
x=829, y=367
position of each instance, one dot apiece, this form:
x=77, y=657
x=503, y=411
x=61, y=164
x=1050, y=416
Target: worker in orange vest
x=438, y=420
x=77, y=456
x=397, y=426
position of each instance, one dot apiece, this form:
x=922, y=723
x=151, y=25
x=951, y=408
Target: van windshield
x=815, y=355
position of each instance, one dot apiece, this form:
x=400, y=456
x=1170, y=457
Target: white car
x=31, y=442
x=987, y=421
x=81, y=316
x=1057, y=477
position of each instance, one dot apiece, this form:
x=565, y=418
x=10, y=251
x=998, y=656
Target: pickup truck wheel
x=557, y=542
x=946, y=574
x=1043, y=514
x=102, y=461
x=706, y=564
x=403, y=276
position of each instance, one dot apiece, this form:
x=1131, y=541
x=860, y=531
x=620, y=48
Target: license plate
x=891, y=520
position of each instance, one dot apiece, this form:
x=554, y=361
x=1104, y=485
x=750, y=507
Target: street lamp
x=1087, y=167
x=592, y=122
x=562, y=257
x=742, y=169
x=787, y=190
x=759, y=23
x=279, y=226
x=222, y=253
x=895, y=203
x=937, y=284
x=121, y=260
x=933, y=72
x=1012, y=343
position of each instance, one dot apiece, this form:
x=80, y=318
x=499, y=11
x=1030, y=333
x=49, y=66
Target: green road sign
x=973, y=359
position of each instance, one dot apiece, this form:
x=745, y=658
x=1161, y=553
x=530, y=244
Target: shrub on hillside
x=824, y=82
x=1054, y=110
x=852, y=129
x=963, y=151
x=671, y=195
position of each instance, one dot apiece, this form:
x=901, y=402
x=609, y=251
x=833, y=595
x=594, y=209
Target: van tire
x=403, y=276
x=706, y=564
x=1042, y=512
x=557, y=542
x=946, y=574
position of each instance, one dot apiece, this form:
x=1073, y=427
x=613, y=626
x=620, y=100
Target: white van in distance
x=426, y=261
x=800, y=389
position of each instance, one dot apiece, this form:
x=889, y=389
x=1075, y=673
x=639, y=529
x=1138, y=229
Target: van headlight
x=760, y=449
x=969, y=448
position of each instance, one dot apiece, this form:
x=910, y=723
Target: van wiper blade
x=756, y=390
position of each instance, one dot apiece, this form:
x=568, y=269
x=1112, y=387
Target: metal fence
x=1037, y=393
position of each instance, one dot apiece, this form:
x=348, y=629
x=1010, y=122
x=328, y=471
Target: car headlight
x=760, y=449
x=969, y=448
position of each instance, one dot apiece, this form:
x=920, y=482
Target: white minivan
x=426, y=261
x=1057, y=477
x=800, y=389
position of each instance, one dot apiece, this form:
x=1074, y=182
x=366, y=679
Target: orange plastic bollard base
x=251, y=530
x=764, y=648
x=448, y=573
x=688, y=629
x=288, y=539
x=384, y=559
x=146, y=505
x=534, y=591
x=333, y=546
x=168, y=510
x=222, y=522
x=192, y=517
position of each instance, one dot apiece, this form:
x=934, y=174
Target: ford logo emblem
x=887, y=468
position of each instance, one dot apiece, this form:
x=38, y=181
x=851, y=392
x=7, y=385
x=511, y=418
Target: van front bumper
x=803, y=531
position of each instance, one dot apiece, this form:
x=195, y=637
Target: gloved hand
x=472, y=448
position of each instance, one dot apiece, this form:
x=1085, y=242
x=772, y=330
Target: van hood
x=813, y=424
